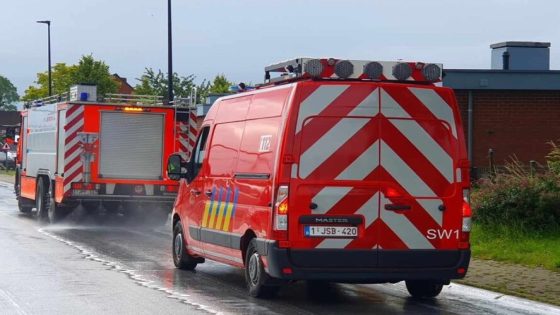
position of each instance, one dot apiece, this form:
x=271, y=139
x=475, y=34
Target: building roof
x=521, y=44
x=9, y=118
x=483, y=79
x=123, y=81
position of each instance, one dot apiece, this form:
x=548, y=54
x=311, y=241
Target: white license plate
x=331, y=231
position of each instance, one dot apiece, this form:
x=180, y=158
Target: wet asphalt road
x=111, y=265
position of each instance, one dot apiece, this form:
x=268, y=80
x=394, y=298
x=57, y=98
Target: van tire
x=181, y=257
x=259, y=283
x=423, y=288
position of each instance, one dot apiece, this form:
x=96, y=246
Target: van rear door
x=334, y=188
x=420, y=199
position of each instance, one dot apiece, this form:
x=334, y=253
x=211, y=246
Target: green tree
x=88, y=70
x=91, y=71
x=155, y=83
x=8, y=94
x=220, y=84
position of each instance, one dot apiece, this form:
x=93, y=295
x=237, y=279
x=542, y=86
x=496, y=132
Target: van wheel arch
x=244, y=243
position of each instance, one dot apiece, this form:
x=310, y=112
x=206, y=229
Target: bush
x=519, y=199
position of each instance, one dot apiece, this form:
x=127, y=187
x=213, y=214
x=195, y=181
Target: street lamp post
x=169, y=55
x=49, y=43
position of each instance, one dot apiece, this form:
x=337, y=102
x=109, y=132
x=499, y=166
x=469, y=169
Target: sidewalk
x=529, y=282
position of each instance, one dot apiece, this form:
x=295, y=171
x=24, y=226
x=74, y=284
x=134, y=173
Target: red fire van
x=337, y=170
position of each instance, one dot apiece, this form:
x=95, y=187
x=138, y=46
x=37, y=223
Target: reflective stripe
x=214, y=210
x=418, y=137
x=79, y=111
x=436, y=105
x=432, y=207
x=75, y=127
x=333, y=139
x=403, y=228
x=406, y=177
x=222, y=209
x=370, y=210
x=328, y=197
x=230, y=210
x=208, y=207
x=71, y=157
x=328, y=144
x=363, y=165
x=317, y=101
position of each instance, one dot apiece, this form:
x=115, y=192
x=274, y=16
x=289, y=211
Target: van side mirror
x=176, y=168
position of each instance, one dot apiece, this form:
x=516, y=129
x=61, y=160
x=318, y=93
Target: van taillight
x=467, y=211
x=281, y=209
x=467, y=222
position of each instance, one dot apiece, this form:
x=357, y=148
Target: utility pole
x=169, y=55
x=49, y=56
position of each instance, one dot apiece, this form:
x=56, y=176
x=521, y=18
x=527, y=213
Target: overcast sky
x=239, y=37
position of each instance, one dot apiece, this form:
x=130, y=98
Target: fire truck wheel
x=258, y=281
x=24, y=205
x=42, y=199
x=423, y=288
x=54, y=212
x=17, y=185
x=181, y=257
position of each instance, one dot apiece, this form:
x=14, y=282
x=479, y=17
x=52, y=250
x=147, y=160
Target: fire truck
x=74, y=150
x=333, y=171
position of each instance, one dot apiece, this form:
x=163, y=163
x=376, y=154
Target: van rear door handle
x=195, y=192
x=394, y=207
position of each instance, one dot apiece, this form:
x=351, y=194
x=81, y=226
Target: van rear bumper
x=365, y=266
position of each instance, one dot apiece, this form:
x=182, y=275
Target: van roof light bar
x=339, y=69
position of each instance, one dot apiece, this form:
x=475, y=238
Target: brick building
x=511, y=109
x=124, y=86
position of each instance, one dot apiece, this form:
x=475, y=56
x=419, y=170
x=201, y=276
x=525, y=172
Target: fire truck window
x=200, y=151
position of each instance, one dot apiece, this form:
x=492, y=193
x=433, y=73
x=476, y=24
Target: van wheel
x=423, y=288
x=257, y=280
x=181, y=257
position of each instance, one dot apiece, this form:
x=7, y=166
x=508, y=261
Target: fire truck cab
x=110, y=155
x=337, y=170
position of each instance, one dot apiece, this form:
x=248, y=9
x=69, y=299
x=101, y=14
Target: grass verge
x=513, y=245
x=7, y=172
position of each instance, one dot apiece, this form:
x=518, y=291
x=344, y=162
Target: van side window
x=199, y=152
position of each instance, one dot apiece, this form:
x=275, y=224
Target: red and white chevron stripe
x=193, y=130
x=404, y=137
x=186, y=134
x=182, y=138
x=73, y=169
